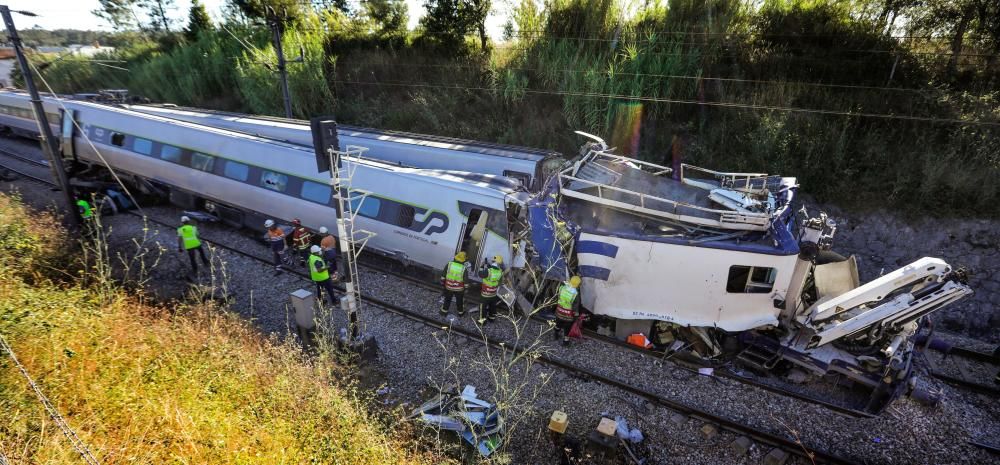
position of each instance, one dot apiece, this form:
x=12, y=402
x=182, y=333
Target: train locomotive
x=719, y=266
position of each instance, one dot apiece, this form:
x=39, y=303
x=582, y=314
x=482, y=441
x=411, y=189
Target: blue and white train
x=528, y=165
x=420, y=216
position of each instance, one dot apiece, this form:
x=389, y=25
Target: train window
x=143, y=146
x=524, y=178
x=316, y=192
x=118, y=139
x=202, y=162
x=365, y=205
x=405, y=217
x=237, y=171
x=170, y=153
x=750, y=279
x=274, y=181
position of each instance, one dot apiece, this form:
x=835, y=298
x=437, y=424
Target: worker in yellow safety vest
x=567, y=308
x=187, y=239
x=86, y=211
x=454, y=280
x=491, y=275
x=319, y=271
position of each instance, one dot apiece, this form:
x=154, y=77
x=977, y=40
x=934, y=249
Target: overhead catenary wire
x=667, y=76
x=640, y=98
x=78, y=444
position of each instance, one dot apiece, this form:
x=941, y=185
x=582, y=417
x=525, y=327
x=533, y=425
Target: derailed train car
x=713, y=263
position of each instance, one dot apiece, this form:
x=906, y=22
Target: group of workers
x=321, y=260
x=454, y=278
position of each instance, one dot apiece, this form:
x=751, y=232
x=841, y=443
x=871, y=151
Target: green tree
x=198, y=21
x=961, y=21
x=118, y=13
x=157, y=12
x=288, y=10
x=448, y=21
x=389, y=15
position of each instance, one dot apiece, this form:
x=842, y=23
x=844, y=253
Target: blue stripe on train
x=596, y=247
x=596, y=272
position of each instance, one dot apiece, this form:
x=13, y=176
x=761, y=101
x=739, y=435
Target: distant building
x=89, y=50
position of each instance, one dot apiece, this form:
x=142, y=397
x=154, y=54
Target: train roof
x=486, y=148
x=469, y=180
x=620, y=196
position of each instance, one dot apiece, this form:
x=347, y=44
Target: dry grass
x=146, y=385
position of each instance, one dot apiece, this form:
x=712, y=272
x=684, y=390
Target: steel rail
x=790, y=445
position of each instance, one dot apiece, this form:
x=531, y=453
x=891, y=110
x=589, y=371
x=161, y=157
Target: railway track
x=790, y=445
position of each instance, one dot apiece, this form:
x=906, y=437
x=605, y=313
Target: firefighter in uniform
x=454, y=280
x=320, y=274
x=187, y=239
x=491, y=275
x=301, y=240
x=567, y=308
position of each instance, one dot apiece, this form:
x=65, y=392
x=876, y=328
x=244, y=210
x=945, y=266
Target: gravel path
x=412, y=356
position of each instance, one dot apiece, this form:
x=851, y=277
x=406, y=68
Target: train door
x=474, y=235
x=66, y=146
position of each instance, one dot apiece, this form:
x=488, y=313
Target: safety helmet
x=185, y=219
x=497, y=259
x=460, y=257
x=297, y=222
x=323, y=230
x=574, y=281
x=315, y=249
x=268, y=223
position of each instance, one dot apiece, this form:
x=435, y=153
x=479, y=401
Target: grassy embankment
x=142, y=384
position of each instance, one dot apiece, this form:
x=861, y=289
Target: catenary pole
x=282, y=64
x=48, y=141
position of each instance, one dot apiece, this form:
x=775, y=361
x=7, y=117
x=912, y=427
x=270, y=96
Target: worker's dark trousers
x=562, y=328
x=326, y=285
x=488, y=308
x=303, y=256
x=204, y=259
x=276, y=251
x=459, y=297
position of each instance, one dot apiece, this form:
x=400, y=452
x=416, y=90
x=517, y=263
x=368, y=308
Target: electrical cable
x=738, y=105
x=67, y=431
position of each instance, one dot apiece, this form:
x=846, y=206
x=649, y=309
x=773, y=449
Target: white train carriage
x=528, y=165
x=18, y=117
x=419, y=216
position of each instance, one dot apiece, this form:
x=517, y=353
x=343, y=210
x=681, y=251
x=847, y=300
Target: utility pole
x=352, y=240
x=276, y=27
x=48, y=141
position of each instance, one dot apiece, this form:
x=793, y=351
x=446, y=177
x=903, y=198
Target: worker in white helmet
x=320, y=274
x=187, y=239
x=329, y=245
x=492, y=275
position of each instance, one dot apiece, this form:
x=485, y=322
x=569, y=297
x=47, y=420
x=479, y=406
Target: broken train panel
x=714, y=259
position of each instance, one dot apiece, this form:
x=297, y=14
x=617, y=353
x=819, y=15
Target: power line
x=667, y=76
x=75, y=440
x=690, y=102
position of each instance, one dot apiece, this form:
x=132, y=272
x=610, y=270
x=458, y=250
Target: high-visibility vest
x=190, y=236
x=315, y=260
x=567, y=295
x=454, y=278
x=84, y=207
x=491, y=282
